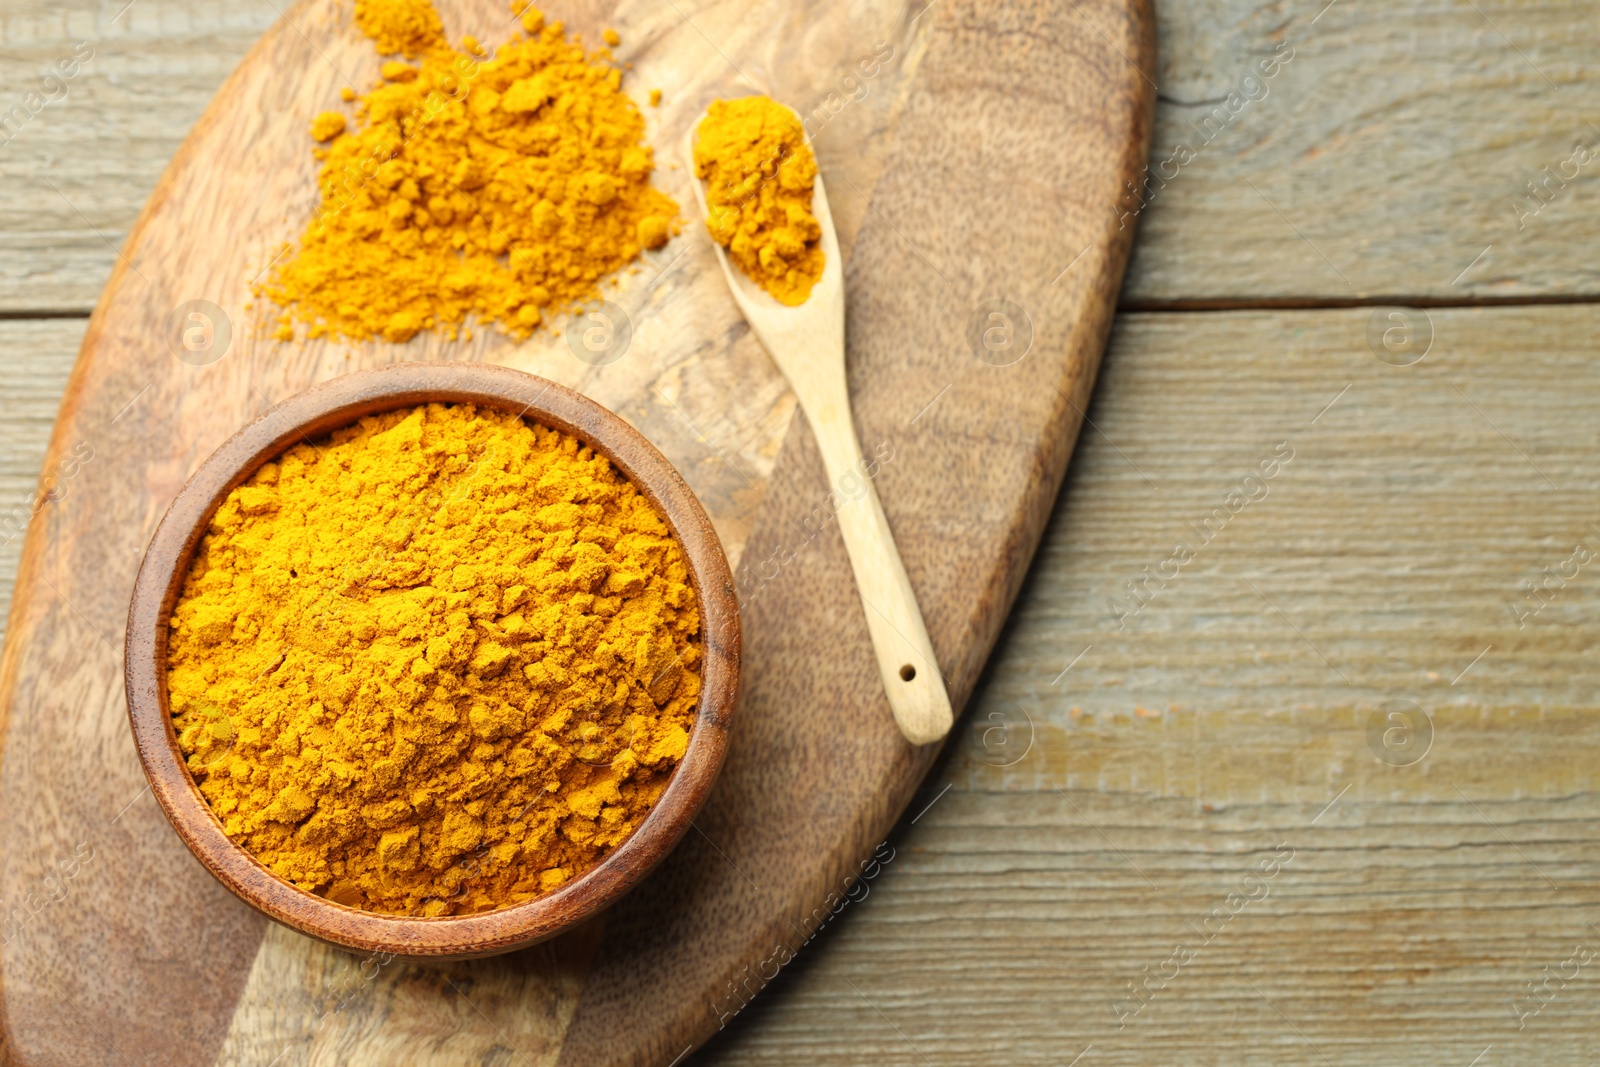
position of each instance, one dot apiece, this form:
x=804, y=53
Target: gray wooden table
x=1318, y=788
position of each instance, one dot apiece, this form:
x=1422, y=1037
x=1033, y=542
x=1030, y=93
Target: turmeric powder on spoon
x=760, y=174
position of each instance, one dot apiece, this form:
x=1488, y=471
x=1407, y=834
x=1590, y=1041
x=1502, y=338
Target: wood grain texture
x=78, y=171
x=1407, y=926
x=923, y=228
x=1351, y=174
x=1359, y=143
x=1095, y=818
x=33, y=372
x=1010, y=920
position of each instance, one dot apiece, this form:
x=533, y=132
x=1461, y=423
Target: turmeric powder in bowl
x=439, y=662
x=760, y=174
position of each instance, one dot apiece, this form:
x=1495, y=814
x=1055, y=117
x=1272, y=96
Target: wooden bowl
x=319, y=411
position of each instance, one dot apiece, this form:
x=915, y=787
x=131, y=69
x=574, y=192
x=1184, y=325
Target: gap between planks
x=1334, y=303
x=1170, y=307
x=1200, y=304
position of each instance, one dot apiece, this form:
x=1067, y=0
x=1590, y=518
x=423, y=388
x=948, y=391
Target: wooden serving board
x=977, y=155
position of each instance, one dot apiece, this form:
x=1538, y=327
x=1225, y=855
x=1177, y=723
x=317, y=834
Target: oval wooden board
x=975, y=151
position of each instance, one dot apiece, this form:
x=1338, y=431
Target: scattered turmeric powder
x=327, y=126
x=406, y=27
x=497, y=186
x=439, y=662
x=759, y=174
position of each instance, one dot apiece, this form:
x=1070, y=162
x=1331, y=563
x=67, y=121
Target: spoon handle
x=906, y=660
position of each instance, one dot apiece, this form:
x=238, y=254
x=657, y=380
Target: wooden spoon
x=807, y=344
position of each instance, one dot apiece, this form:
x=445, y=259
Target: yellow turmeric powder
x=404, y=27
x=496, y=187
x=759, y=174
x=439, y=662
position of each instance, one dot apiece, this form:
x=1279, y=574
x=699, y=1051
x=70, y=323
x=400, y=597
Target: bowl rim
x=341, y=402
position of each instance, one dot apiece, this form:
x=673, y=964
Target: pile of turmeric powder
x=439, y=662
x=493, y=186
x=759, y=174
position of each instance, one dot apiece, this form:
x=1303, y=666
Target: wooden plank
x=1097, y=817
x=79, y=162
x=172, y=969
x=38, y=356
x=1357, y=142
x=1352, y=174
x=1406, y=927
